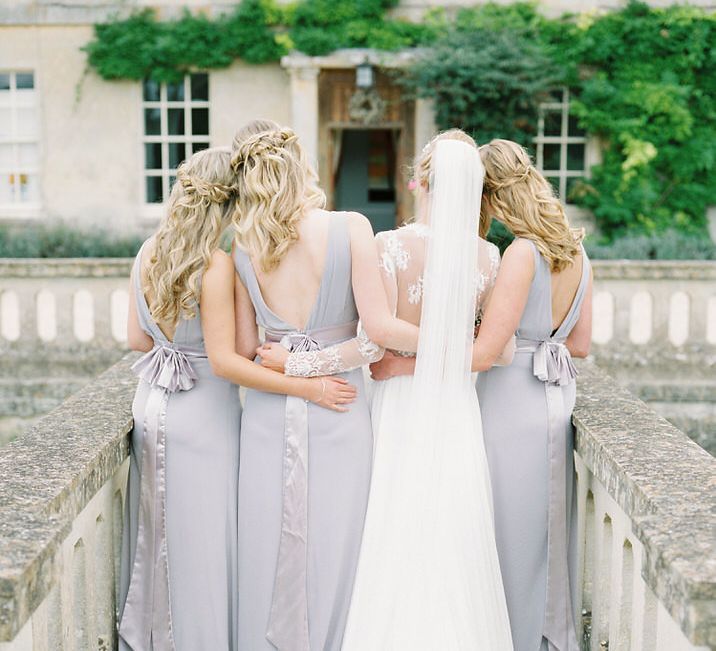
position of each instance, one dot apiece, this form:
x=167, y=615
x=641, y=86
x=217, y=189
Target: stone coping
x=654, y=269
x=666, y=484
x=48, y=476
x=120, y=268
x=65, y=267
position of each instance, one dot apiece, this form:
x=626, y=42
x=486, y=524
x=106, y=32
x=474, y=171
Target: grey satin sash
x=287, y=627
x=552, y=364
x=146, y=622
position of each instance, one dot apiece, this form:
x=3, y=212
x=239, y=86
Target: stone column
x=425, y=127
x=304, y=108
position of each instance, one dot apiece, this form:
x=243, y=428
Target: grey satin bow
x=299, y=342
x=553, y=363
x=167, y=367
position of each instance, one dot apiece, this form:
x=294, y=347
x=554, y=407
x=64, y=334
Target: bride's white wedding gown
x=428, y=575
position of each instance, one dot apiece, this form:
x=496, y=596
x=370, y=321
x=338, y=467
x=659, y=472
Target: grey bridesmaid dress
x=303, y=481
x=526, y=418
x=178, y=588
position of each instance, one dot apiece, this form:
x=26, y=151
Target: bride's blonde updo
x=197, y=213
x=275, y=185
x=520, y=197
x=423, y=163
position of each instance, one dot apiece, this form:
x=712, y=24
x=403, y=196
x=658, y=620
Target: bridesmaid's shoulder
x=219, y=261
x=519, y=252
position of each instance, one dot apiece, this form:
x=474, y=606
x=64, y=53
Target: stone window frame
x=561, y=175
x=15, y=100
x=163, y=140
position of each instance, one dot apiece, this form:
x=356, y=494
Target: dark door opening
x=365, y=175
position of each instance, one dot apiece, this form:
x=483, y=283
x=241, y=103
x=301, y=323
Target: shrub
x=62, y=241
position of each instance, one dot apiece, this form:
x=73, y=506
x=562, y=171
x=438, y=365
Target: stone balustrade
x=646, y=576
x=63, y=321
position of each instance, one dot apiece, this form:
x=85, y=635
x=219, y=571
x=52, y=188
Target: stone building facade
x=78, y=148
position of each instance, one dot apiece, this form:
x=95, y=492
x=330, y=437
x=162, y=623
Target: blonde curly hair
x=275, y=185
x=198, y=211
x=521, y=198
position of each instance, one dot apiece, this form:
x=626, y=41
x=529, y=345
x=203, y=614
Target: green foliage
x=642, y=80
x=63, y=241
x=648, y=91
x=669, y=245
x=485, y=80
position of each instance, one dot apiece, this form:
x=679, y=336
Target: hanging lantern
x=364, y=75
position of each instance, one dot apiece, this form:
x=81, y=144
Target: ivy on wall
x=643, y=81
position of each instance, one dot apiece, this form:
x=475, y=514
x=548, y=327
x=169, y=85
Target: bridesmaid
x=178, y=587
x=543, y=292
x=305, y=277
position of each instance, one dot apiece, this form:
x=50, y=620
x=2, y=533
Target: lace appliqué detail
x=415, y=291
x=395, y=251
x=369, y=351
x=314, y=363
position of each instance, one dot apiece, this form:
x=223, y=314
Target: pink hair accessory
x=412, y=185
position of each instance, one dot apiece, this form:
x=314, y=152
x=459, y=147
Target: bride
x=428, y=575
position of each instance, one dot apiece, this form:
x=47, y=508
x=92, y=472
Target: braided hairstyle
x=522, y=199
x=275, y=187
x=198, y=212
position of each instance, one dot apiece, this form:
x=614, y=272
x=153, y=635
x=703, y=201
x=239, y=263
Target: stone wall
x=647, y=510
x=63, y=321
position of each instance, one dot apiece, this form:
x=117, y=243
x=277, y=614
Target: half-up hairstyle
x=198, y=211
x=275, y=186
x=524, y=201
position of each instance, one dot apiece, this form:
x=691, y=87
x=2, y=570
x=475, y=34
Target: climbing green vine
x=642, y=81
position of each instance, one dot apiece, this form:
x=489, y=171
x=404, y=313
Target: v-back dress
x=303, y=480
x=526, y=417
x=178, y=588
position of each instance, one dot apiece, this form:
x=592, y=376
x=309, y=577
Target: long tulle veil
x=450, y=593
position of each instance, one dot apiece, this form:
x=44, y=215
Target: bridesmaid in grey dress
x=543, y=291
x=305, y=472
x=178, y=585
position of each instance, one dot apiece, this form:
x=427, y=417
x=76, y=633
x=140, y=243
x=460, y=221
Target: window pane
x=29, y=188
x=175, y=92
x=552, y=123
x=5, y=122
x=177, y=153
x=153, y=155
x=26, y=122
x=154, y=189
x=150, y=91
x=175, y=122
x=24, y=80
x=198, y=146
x=152, y=122
x=200, y=122
x=200, y=87
x=28, y=155
x=6, y=157
x=574, y=129
x=550, y=159
x=4, y=81
x=6, y=192
x=574, y=188
x=557, y=95
x=554, y=182
x=575, y=157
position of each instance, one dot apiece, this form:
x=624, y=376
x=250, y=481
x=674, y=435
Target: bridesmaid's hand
x=273, y=356
x=332, y=392
x=392, y=365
